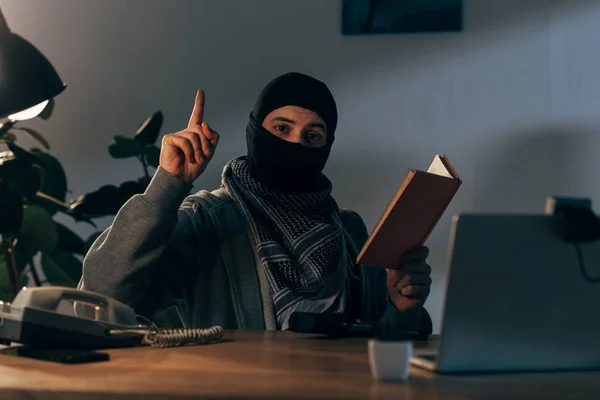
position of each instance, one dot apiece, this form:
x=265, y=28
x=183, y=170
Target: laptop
x=518, y=299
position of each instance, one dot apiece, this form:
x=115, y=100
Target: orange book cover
x=412, y=214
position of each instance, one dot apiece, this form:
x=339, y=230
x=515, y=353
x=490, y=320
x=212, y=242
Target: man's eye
x=281, y=128
x=313, y=136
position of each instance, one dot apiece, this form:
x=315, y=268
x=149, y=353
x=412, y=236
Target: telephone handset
x=34, y=318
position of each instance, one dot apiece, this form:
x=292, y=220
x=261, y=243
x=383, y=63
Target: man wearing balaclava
x=270, y=242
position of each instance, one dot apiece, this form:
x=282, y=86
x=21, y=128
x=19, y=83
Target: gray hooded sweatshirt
x=167, y=248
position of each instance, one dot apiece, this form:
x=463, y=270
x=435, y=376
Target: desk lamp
x=27, y=79
x=27, y=84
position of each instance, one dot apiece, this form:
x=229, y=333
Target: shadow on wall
x=514, y=174
x=323, y=51
x=244, y=54
x=368, y=167
x=520, y=171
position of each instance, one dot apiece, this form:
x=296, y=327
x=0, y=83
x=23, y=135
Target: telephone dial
x=33, y=318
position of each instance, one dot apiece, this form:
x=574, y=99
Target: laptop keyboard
x=429, y=357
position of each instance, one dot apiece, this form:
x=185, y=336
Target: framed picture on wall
x=366, y=17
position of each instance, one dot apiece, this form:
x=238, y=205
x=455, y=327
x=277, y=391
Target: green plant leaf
x=38, y=228
x=11, y=211
x=123, y=147
x=68, y=240
x=130, y=188
x=90, y=240
x=55, y=268
x=70, y=265
x=21, y=176
x=21, y=260
x=26, y=269
x=5, y=287
x=144, y=181
x=105, y=201
x=82, y=218
x=8, y=138
x=5, y=127
x=153, y=156
x=21, y=153
x=22, y=257
x=54, y=179
x=47, y=112
x=53, y=205
x=24, y=252
x=148, y=132
x=35, y=135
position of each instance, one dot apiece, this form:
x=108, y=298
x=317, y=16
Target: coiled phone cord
x=157, y=337
x=179, y=337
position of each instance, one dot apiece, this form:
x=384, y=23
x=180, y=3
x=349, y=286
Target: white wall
x=514, y=100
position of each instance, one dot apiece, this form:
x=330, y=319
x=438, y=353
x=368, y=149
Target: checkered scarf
x=299, y=240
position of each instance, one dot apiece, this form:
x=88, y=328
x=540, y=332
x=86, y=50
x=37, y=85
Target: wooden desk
x=267, y=365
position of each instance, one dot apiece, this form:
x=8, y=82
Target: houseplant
x=33, y=188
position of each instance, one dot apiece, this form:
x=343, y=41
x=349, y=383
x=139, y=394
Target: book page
x=438, y=167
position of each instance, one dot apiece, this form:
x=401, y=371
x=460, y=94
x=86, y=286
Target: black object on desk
x=338, y=325
x=58, y=355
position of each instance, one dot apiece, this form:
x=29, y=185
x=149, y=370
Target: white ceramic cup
x=390, y=360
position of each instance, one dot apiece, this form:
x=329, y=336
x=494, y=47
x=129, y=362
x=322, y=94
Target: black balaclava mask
x=279, y=164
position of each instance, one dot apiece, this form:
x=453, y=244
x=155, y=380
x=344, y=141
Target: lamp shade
x=26, y=76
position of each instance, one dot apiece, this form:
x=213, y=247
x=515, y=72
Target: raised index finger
x=198, y=112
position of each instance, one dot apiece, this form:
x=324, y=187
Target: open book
x=412, y=214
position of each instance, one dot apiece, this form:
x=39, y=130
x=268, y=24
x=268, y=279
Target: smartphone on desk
x=57, y=355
